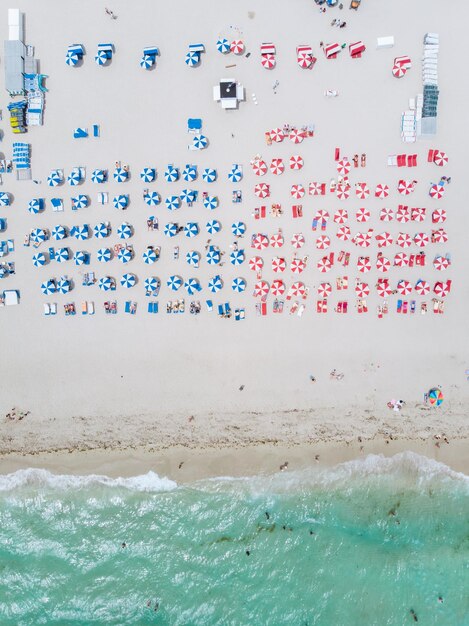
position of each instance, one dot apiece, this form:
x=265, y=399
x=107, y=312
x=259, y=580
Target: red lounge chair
x=404, y=306
x=399, y=306
x=431, y=154
x=344, y=306
x=338, y=308
x=263, y=308
x=337, y=154
x=414, y=160
x=401, y=160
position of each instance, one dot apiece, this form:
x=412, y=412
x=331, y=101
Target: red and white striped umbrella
x=440, y=158
x=297, y=290
x=439, y=236
x=296, y=162
x=298, y=240
x=386, y=215
x=297, y=266
x=256, y=263
x=417, y=214
x=362, y=290
x=441, y=263
x=362, y=190
x=259, y=167
x=237, y=46
x=442, y=289
x=324, y=290
x=260, y=242
x=277, y=287
x=323, y=242
x=401, y=259
x=364, y=264
x=344, y=166
x=268, y=61
x=296, y=135
x=438, y=216
x=297, y=191
x=277, y=166
x=363, y=240
x=304, y=60
x=322, y=215
x=362, y=215
x=399, y=71
x=324, y=264
x=402, y=214
x=340, y=216
x=316, y=189
x=279, y=264
x=437, y=191
x=404, y=240
x=343, y=233
x=384, y=239
x=383, y=288
x=277, y=135
x=404, y=287
x=261, y=289
x=405, y=187
x=381, y=191
x=343, y=191
x=422, y=287
x=262, y=190
x=382, y=263
x=276, y=240
x=421, y=240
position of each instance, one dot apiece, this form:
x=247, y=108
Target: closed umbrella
x=128, y=280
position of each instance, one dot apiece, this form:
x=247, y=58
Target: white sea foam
x=32, y=477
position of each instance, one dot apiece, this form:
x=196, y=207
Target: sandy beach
x=123, y=394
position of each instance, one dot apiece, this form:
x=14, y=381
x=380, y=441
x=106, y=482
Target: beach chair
x=53, y=308
x=301, y=309
x=90, y=308
x=46, y=308
x=194, y=124
x=80, y=133
x=84, y=308
x=399, y=306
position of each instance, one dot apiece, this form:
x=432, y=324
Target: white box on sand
x=385, y=42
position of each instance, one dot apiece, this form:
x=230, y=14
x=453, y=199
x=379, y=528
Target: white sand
x=95, y=381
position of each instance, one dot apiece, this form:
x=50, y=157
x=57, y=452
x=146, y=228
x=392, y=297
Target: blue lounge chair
x=194, y=124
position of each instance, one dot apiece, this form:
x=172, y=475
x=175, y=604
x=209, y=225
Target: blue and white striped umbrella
x=192, y=59
x=63, y=285
x=106, y=283
x=192, y=285
x=200, y=142
x=81, y=201
x=120, y=175
x=98, y=176
x=215, y=284
x=101, y=57
x=104, y=255
x=120, y=202
x=72, y=58
x=101, y=231
x=210, y=202
x=128, y=280
x=213, y=226
x=54, y=179
x=172, y=203
x=189, y=173
x=62, y=254
x=4, y=198
x=80, y=232
x=147, y=61
x=152, y=198
x=149, y=256
x=124, y=231
x=237, y=257
x=174, y=282
x=235, y=175
x=74, y=178
x=39, y=259
x=171, y=174
x=187, y=195
x=38, y=235
x=223, y=45
x=151, y=284
x=35, y=205
x=238, y=284
x=171, y=229
x=213, y=256
x=191, y=229
x=125, y=255
x=193, y=258
x=148, y=174
x=80, y=257
x=209, y=175
x=48, y=287
x=59, y=232
x=238, y=228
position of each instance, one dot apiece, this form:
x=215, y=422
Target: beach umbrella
x=442, y=289
x=435, y=397
x=199, y=142
x=35, y=205
x=189, y=173
x=324, y=264
x=128, y=280
x=297, y=266
x=213, y=227
x=101, y=230
x=48, y=287
x=383, y=288
x=384, y=239
x=150, y=256
x=120, y=175
x=171, y=174
x=277, y=240
x=296, y=162
x=71, y=59
x=223, y=45
x=297, y=191
x=382, y=263
x=193, y=258
x=277, y=135
x=74, y=178
x=421, y=240
x=63, y=285
x=343, y=233
x=38, y=235
x=362, y=215
x=4, y=198
x=362, y=239
x=54, y=179
x=106, y=283
x=316, y=189
x=277, y=166
x=215, y=284
x=120, y=202
x=439, y=236
x=125, y=255
x=238, y=284
x=404, y=240
x=98, y=176
x=62, y=255
x=362, y=290
x=172, y=203
x=399, y=70
x=298, y=240
x=235, y=175
x=340, y=216
x=278, y=264
x=174, y=282
x=39, y=259
x=324, y=290
x=364, y=264
x=362, y=191
x=80, y=257
x=322, y=215
x=152, y=198
x=209, y=175
x=405, y=187
x=401, y=260
x=80, y=232
x=191, y=229
x=343, y=167
x=437, y=191
x=268, y=61
x=151, y=284
x=402, y=214
x=256, y=263
x=386, y=215
x=192, y=285
x=262, y=190
x=237, y=46
x=192, y=59
x=323, y=242
x=259, y=167
x=237, y=257
x=440, y=158
x=187, y=195
x=124, y=231
x=418, y=214
x=147, y=61
x=404, y=287
x=277, y=287
x=260, y=241
x=422, y=287
x=296, y=135
x=148, y=174
x=210, y=202
x=297, y=290
x=343, y=192
x=261, y=289
x=238, y=228
x=213, y=256
x=381, y=191
x=104, y=255
x=101, y=57
x=80, y=202
x=441, y=263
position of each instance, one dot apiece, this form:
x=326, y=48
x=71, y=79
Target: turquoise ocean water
x=364, y=543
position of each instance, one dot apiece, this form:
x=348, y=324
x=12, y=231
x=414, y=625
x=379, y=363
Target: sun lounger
x=80, y=133
x=84, y=308
x=46, y=308
x=131, y=307
x=399, y=306
x=90, y=308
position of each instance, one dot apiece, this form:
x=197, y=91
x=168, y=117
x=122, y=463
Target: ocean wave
x=32, y=477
